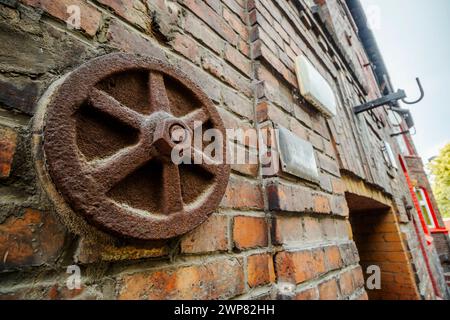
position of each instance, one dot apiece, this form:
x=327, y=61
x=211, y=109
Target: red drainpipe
x=425, y=228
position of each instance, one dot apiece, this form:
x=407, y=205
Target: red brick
x=238, y=104
x=219, y=279
x=236, y=24
x=338, y=186
x=208, y=237
x=124, y=38
x=346, y=283
x=34, y=239
x=238, y=60
x=90, y=16
x=243, y=194
x=215, y=21
x=131, y=10
x=307, y=294
x=261, y=51
x=312, y=230
x=249, y=232
x=237, y=6
x=298, y=129
x=204, y=34
x=187, y=47
x=329, y=290
x=339, y=206
x=267, y=111
x=289, y=198
x=236, y=153
x=333, y=258
x=260, y=270
x=244, y=48
x=321, y=204
x=287, y=229
x=298, y=267
x=8, y=141
x=328, y=164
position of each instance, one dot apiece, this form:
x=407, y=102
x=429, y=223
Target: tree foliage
x=440, y=168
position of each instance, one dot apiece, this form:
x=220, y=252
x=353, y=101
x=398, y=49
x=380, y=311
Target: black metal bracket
x=390, y=99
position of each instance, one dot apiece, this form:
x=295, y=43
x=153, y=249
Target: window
x=426, y=212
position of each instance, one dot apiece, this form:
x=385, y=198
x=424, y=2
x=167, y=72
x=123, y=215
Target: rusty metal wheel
x=107, y=142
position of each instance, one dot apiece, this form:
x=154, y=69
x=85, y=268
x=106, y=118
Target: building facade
x=273, y=234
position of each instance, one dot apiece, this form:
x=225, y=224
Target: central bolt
x=177, y=133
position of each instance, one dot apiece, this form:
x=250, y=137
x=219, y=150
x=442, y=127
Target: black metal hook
x=422, y=94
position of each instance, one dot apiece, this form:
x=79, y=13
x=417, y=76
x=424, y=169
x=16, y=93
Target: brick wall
x=380, y=243
x=274, y=236
x=441, y=240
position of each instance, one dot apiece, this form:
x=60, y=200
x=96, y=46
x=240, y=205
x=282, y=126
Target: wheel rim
x=107, y=143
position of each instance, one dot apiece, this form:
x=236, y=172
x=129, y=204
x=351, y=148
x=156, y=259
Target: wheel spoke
x=116, y=168
x=103, y=102
x=158, y=93
x=172, y=196
x=195, y=118
x=203, y=160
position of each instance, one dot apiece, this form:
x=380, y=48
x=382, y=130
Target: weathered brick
x=328, y=290
x=244, y=48
x=307, y=294
x=260, y=270
x=236, y=23
x=346, y=283
x=207, y=83
x=241, y=164
x=33, y=239
x=187, y=47
x=349, y=254
x=131, y=10
x=95, y=250
x=343, y=229
x=267, y=111
x=328, y=164
x=19, y=94
x=298, y=129
x=287, y=229
x=338, y=186
x=8, y=142
x=215, y=21
x=311, y=229
x=289, y=198
x=124, y=38
x=219, y=279
x=339, y=206
x=298, y=267
x=328, y=226
x=90, y=16
x=237, y=103
x=321, y=203
x=261, y=51
x=333, y=258
x=238, y=60
x=209, y=237
x=243, y=194
x=249, y=232
x=237, y=6
x=203, y=33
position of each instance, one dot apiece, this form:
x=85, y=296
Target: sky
x=414, y=39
